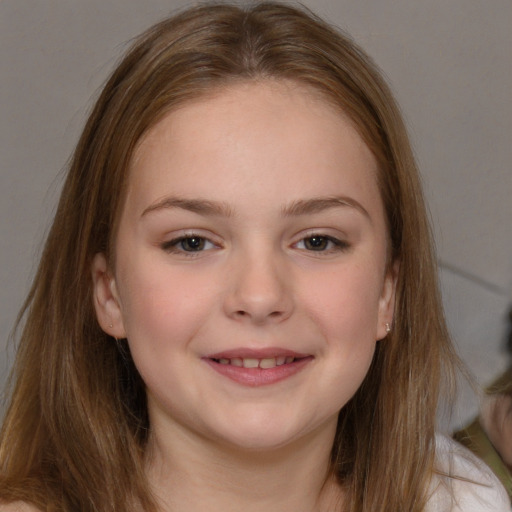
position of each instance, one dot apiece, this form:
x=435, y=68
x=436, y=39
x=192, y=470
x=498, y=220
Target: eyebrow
x=320, y=204
x=199, y=206
x=296, y=208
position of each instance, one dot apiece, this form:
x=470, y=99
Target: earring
x=388, y=328
x=110, y=326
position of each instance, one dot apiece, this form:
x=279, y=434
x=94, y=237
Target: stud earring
x=110, y=326
x=388, y=328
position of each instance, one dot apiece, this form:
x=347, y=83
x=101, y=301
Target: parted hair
x=76, y=426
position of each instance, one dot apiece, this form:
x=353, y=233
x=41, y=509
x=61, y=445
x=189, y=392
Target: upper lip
x=262, y=353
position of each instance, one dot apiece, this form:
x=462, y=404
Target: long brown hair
x=76, y=428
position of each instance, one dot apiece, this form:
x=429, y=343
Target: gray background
x=448, y=61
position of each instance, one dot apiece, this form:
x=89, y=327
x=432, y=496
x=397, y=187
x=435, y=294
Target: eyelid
x=171, y=245
x=340, y=243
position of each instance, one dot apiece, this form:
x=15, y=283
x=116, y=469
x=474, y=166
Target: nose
x=260, y=289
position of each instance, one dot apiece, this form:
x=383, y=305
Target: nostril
x=273, y=314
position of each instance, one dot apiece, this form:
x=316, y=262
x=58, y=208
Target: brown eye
x=192, y=244
x=188, y=244
x=316, y=243
x=322, y=243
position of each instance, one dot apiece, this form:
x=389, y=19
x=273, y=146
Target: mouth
x=258, y=368
x=252, y=362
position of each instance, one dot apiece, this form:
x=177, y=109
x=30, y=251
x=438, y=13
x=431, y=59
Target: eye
x=188, y=244
x=321, y=243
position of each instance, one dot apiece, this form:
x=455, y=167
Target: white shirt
x=470, y=486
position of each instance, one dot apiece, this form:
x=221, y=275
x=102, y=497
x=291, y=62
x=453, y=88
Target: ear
x=387, y=302
x=106, y=299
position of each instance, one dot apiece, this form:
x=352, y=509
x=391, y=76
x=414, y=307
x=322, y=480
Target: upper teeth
x=249, y=362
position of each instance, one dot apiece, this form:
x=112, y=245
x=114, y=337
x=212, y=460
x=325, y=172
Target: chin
x=271, y=433
x=258, y=441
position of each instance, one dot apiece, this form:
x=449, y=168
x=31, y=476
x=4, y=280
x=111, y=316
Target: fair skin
x=252, y=285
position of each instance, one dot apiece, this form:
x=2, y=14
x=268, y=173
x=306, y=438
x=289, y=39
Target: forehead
x=277, y=99
x=276, y=130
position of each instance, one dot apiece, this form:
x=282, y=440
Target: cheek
x=162, y=312
x=160, y=306
x=345, y=303
x=345, y=309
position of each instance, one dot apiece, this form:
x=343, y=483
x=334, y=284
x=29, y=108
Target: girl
x=236, y=308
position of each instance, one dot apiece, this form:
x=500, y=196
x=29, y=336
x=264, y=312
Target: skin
x=277, y=267
x=497, y=422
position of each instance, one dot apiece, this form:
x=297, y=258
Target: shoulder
x=18, y=506
x=463, y=483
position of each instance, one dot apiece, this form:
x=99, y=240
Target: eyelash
x=332, y=244
x=176, y=245
x=326, y=244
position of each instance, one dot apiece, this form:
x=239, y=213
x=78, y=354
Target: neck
x=189, y=473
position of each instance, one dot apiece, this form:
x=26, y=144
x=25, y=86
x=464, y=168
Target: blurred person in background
x=490, y=434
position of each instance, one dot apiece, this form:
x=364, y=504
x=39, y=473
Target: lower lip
x=254, y=377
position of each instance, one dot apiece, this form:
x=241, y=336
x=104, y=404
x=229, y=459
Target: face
x=251, y=278
x=497, y=419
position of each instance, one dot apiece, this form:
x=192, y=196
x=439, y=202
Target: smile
x=256, y=368
x=250, y=362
